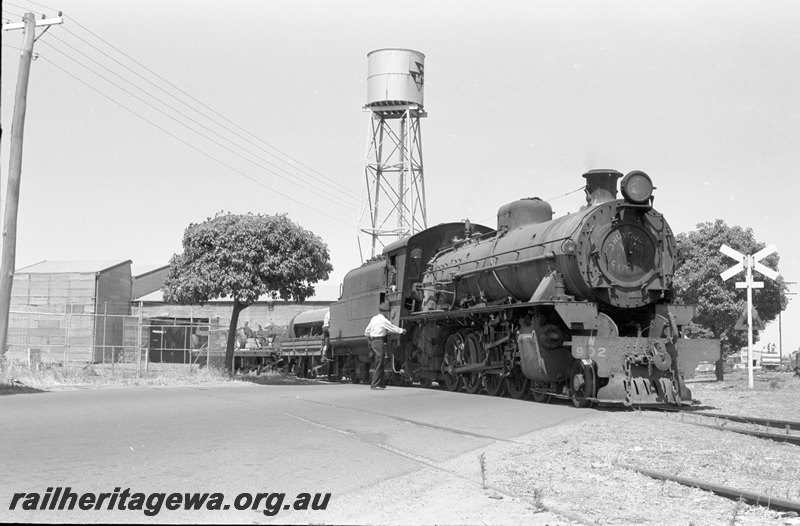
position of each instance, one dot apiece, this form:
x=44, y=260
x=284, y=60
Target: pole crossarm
x=39, y=23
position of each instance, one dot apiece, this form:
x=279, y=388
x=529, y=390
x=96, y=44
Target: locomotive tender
x=579, y=306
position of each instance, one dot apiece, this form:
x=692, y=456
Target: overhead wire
x=5, y=3
x=40, y=5
x=580, y=188
x=329, y=181
x=293, y=163
x=179, y=139
x=568, y=193
x=6, y=11
x=308, y=188
x=344, y=191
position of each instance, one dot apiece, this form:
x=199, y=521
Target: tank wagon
x=579, y=306
x=303, y=349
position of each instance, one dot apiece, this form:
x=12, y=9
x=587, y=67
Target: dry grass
x=57, y=377
x=15, y=378
x=578, y=468
x=774, y=395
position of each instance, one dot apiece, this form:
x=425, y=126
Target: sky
x=145, y=116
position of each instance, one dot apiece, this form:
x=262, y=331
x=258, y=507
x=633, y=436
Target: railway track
x=749, y=497
x=766, y=422
x=720, y=422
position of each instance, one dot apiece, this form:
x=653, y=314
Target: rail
x=750, y=497
x=766, y=422
x=784, y=425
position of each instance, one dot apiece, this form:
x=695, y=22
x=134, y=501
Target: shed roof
x=157, y=296
x=139, y=270
x=72, y=267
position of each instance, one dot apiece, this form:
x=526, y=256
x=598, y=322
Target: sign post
x=748, y=264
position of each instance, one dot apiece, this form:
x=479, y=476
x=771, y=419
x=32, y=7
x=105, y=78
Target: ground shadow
x=18, y=388
x=279, y=379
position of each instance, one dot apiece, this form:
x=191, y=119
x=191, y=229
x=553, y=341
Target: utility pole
x=780, y=330
x=28, y=25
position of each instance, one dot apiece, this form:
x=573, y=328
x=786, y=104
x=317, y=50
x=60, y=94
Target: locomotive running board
x=477, y=309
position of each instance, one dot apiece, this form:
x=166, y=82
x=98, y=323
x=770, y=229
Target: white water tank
x=395, y=76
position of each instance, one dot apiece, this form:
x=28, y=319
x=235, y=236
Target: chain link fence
x=39, y=339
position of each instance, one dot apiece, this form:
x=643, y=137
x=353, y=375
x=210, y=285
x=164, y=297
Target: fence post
x=103, y=346
x=147, y=355
x=139, y=343
x=191, y=330
x=67, y=319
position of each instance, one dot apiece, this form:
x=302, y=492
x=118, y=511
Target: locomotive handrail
x=496, y=255
x=434, y=289
x=439, y=313
x=542, y=257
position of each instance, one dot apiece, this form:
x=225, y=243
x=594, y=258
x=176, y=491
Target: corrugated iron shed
x=72, y=267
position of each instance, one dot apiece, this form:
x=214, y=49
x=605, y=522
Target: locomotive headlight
x=637, y=187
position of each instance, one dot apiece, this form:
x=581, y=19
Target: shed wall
x=69, y=292
x=113, y=301
x=275, y=315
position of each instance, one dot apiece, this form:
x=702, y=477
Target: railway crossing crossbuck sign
x=749, y=263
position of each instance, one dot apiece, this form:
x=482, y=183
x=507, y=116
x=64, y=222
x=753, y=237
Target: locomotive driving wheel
x=495, y=383
x=539, y=395
x=582, y=383
x=453, y=357
x=517, y=385
x=473, y=355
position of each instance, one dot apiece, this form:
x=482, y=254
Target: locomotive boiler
x=615, y=253
x=579, y=306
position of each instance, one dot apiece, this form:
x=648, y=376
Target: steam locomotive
x=578, y=307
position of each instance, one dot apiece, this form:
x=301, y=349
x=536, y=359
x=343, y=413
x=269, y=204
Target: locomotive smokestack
x=601, y=186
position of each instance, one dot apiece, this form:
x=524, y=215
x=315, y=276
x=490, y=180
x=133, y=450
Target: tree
x=719, y=303
x=245, y=257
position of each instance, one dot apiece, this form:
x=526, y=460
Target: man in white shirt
x=376, y=332
x=326, y=336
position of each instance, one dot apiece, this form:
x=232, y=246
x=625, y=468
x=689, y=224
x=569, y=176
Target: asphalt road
x=341, y=439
